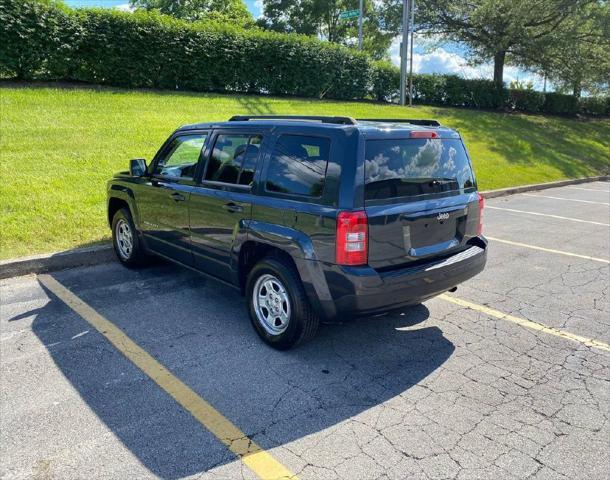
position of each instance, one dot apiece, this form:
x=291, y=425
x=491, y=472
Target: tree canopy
x=321, y=18
x=193, y=10
x=576, y=56
x=513, y=30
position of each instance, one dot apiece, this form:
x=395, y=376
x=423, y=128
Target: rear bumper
x=358, y=291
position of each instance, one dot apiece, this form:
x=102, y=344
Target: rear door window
x=401, y=168
x=233, y=159
x=298, y=165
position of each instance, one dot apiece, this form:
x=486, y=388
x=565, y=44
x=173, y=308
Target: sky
x=440, y=58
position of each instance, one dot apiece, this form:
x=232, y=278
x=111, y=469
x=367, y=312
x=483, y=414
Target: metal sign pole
x=411, y=53
x=360, y=25
x=403, y=51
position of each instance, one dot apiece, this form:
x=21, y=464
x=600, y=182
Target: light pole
x=360, y=25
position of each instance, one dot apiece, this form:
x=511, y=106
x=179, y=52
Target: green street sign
x=349, y=14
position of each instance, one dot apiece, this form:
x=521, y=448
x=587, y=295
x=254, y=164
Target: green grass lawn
x=59, y=146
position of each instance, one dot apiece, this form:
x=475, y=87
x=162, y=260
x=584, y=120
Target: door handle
x=233, y=207
x=178, y=197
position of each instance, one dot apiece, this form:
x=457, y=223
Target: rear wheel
x=278, y=306
x=127, y=246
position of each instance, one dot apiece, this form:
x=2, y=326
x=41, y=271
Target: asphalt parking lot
x=470, y=385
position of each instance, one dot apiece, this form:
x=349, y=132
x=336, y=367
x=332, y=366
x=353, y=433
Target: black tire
x=302, y=322
x=134, y=257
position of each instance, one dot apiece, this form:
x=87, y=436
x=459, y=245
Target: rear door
x=420, y=199
x=222, y=201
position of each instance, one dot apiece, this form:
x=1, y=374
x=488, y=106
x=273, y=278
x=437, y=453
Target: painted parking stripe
x=548, y=250
x=548, y=215
x=590, y=189
x=589, y=342
x=250, y=453
x=563, y=198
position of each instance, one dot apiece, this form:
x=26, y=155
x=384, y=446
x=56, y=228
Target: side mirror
x=137, y=167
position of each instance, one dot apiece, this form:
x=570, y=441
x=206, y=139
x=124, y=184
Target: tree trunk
x=499, y=58
x=577, y=89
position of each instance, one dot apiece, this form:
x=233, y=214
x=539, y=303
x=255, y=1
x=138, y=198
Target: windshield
x=411, y=167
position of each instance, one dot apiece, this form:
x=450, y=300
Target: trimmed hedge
x=595, y=106
x=35, y=38
x=41, y=39
x=525, y=100
x=385, y=82
x=560, y=104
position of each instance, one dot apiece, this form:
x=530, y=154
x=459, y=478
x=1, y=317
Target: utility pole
x=404, y=48
x=360, y=25
x=411, y=53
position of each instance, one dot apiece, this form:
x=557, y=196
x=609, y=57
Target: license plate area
x=432, y=233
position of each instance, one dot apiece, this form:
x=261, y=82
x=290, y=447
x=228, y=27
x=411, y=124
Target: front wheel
x=127, y=245
x=278, y=306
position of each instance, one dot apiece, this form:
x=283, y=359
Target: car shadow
x=255, y=105
x=200, y=331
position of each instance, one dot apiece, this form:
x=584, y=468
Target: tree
x=321, y=18
x=193, y=10
x=576, y=57
x=497, y=29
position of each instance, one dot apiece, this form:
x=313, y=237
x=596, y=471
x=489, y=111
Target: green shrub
x=385, y=82
x=525, y=100
x=451, y=90
x=42, y=39
x=485, y=94
x=457, y=92
x=35, y=36
x=560, y=104
x=429, y=89
x=595, y=106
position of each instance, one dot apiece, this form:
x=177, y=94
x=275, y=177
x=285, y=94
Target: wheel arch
x=253, y=251
x=310, y=272
x=121, y=196
x=114, y=205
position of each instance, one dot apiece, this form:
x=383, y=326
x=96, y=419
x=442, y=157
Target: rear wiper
x=432, y=181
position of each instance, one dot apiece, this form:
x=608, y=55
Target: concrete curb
x=103, y=253
x=50, y=262
x=541, y=186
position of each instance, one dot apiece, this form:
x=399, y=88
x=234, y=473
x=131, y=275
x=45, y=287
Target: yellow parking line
x=548, y=250
x=589, y=342
x=251, y=454
x=563, y=198
x=548, y=215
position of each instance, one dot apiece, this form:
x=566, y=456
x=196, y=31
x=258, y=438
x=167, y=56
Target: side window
x=182, y=157
x=298, y=165
x=233, y=159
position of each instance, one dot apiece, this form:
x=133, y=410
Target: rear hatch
x=420, y=200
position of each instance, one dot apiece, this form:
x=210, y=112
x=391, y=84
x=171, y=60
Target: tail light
x=352, y=238
x=481, y=208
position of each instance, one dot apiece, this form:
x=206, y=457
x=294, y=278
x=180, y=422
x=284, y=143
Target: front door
x=163, y=205
x=220, y=205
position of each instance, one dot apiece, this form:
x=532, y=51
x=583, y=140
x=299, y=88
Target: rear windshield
x=412, y=167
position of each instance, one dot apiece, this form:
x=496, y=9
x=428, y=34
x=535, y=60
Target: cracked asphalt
x=436, y=391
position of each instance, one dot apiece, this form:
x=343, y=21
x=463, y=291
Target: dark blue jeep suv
x=312, y=218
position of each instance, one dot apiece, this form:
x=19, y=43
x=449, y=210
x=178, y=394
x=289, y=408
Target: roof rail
x=425, y=123
x=323, y=119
